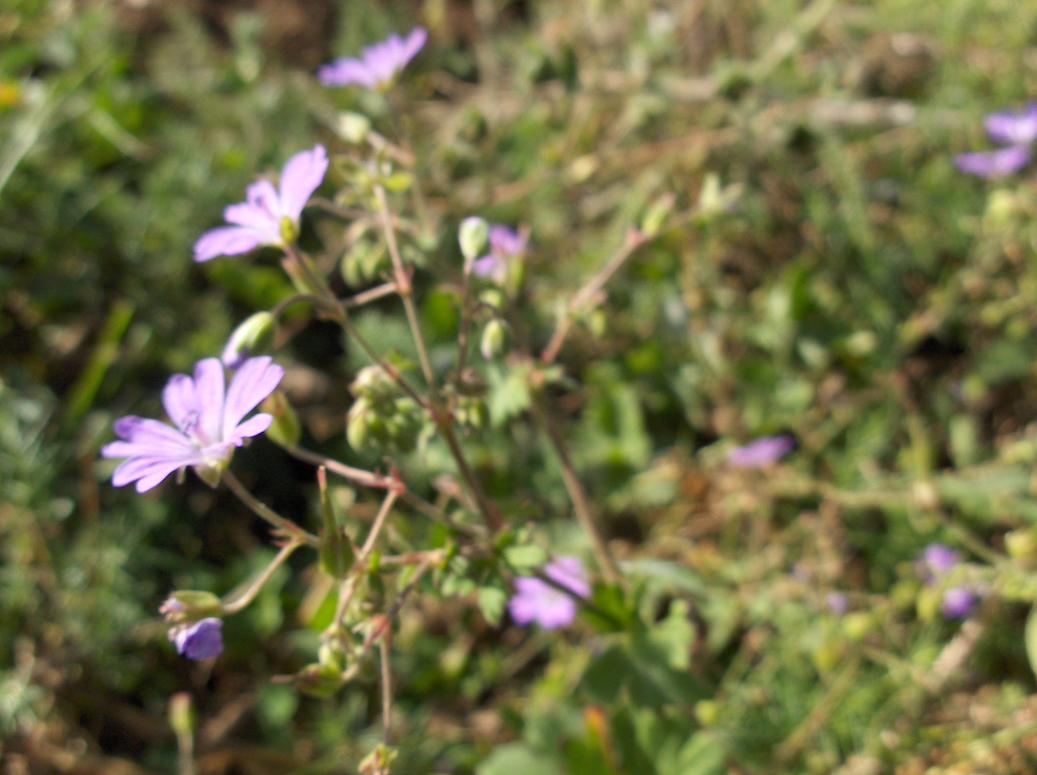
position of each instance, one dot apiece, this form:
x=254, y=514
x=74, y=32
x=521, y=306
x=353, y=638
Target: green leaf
x=518, y=758
x=492, y=600
x=509, y=394
x=525, y=559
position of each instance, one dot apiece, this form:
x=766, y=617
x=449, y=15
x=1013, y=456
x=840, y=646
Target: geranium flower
x=938, y=560
x=537, y=601
x=268, y=216
x=199, y=640
x=210, y=423
x=1015, y=129
x=378, y=64
x=762, y=452
x=506, y=244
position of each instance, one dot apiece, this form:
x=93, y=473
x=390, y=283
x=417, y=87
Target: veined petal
x=569, y=572
x=253, y=426
x=262, y=197
x=209, y=390
x=413, y=44
x=301, y=176
x=255, y=218
x=147, y=471
x=253, y=382
x=143, y=430
x=227, y=241
x=179, y=400
x=1013, y=127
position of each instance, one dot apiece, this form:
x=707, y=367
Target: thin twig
x=580, y=501
x=249, y=594
x=358, y=475
x=281, y=524
x=383, y=649
x=348, y=587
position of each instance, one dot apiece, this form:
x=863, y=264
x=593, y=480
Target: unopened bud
x=319, y=680
x=285, y=429
x=336, y=550
x=494, y=339
x=253, y=335
x=190, y=605
x=472, y=237
x=373, y=384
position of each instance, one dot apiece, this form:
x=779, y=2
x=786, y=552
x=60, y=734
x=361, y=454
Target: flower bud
x=285, y=429
x=319, y=680
x=252, y=336
x=472, y=237
x=190, y=605
x=353, y=127
x=336, y=550
x=494, y=339
x=363, y=426
x=199, y=640
x=373, y=384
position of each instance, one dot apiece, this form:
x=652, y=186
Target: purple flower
x=937, y=559
x=378, y=65
x=762, y=452
x=1013, y=127
x=994, y=164
x=958, y=603
x=837, y=603
x=199, y=640
x=537, y=601
x=268, y=216
x=210, y=423
x=506, y=244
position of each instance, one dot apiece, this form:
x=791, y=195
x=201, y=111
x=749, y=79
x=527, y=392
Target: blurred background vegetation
x=844, y=283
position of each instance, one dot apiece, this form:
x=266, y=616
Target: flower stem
x=281, y=524
x=246, y=597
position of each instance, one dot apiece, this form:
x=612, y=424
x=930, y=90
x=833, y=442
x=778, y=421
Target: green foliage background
x=851, y=287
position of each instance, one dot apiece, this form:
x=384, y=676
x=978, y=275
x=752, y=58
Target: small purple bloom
x=837, y=603
x=762, y=452
x=994, y=164
x=937, y=559
x=199, y=640
x=1013, y=127
x=958, y=603
x=210, y=423
x=268, y=216
x=537, y=601
x=506, y=244
x=378, y=64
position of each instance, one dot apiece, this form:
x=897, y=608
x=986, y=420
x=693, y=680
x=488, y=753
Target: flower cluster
x=938, y=560
x=1016, y=130
x=506, y=245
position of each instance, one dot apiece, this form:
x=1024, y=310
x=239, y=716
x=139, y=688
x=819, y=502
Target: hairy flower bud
x=494, y=339
x=285, y=430
x=374, y=385
x=472, y=236
x=190, y=605
x=252, y=336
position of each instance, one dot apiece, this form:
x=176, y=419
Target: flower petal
x=347, y=72
x=253, y=426
x=413, y=44
x=253, y=382
x=227, y=241
x=301, y=176
x=179, y=400
x=209, y=392
x=1013, y=127
x=256, y=218
x=994, y=164
x=148, y=472
x=143, y=430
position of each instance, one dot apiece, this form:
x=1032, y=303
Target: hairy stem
x=246, y=597
x=281, y=524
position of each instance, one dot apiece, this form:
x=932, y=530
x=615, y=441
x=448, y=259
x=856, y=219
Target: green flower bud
x=319, y=680
x=285, y=430
x=190, y=605
x=494, y=339
x=353, y=127
x=289, y=230
x=360, y=425
x=336, y=550
x=472, y=236
x=373, y=384
x=252, y=336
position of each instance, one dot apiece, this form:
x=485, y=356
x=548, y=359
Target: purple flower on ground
x=958, y=603
x=378, y=65
x=762, y=452
x=837, y=603
x=937, y=559
x=199, y=640
x=537, y=601
x=1014, y=129
x=994, y=164
x=210, y=423
x=506, y=244
x=268, y=216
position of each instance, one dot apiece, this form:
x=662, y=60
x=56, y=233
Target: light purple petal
x=301, y=176
x=148, y=472
x=507, y=242
x=569, y=572
x=179, y=400
x=523, y=609
x=994, y=164
x=227, y=241
x=413, y=44
x=761, y=452
x=255, y=218
x=491, y=266
x=262, y=197
x=1013, y=127
x=152, y=433
x=253, y=426
x=958, y=603
x=209, y=392
x=939, y=559
x=347, y=72
x=556, y=612
x=200, y=640
x=252, y=383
